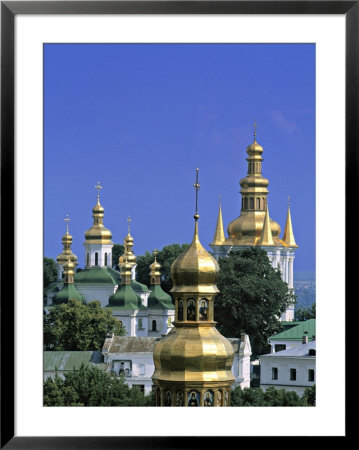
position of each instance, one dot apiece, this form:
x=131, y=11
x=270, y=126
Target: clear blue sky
x=141, y=118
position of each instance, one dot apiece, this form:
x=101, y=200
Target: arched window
x=258, y=200
x=87, y=259
x=154, y=325
x=251, y=203
x=96, y=259
x=105, y=259
x=242, y=203
x=246, y=203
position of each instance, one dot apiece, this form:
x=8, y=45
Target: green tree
x=75, y=326
x=270, y=397
x=165, y=257
x=50, y=271
x=252, y=297
x=309, y=396
x=117, y=251
x=303, y=314
x=92, y=387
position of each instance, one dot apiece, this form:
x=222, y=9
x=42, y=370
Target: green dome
x=97, y=275
x=125, y=298
x=138, y=287
x=67, y=292
x=159, y=299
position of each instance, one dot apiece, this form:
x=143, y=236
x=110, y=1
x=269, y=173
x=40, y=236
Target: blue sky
x=140, y=118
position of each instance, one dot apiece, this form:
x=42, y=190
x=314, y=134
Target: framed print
x=66, y=68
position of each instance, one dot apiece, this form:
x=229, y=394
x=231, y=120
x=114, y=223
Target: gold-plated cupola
x=66, y=253
x=98, y=233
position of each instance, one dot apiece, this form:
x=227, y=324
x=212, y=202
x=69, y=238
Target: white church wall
x=98, y=292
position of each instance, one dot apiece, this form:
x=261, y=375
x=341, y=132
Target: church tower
x=254, y=227
x=98, y=243
x=68, y=290
x=66, y=254
x=193, y=362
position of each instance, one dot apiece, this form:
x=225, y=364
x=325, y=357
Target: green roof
x=159, y=298
x=70, y=360
x=97, y=275
x=125, y=298
x=296, y=333
x=138, y=287
x=68, y=291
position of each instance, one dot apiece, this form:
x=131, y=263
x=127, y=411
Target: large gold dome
x=195, y=270
x=193, y=354
x=250, y=225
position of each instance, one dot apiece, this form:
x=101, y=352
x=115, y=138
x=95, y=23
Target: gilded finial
x=129, y=220
x=98, y=187
x=196, y=186
x=288, y=201
x=220, y=199
x=255, y=130
x=67, y=220
x=155, y=253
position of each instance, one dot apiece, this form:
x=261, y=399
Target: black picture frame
x=9, y=9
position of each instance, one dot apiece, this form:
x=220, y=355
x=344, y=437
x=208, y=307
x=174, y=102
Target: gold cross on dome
x=129, y=220
x=288, y=200
x=220, y=199
x=155, y=253
x=67, y=220
x=98, y=187
x=255, y=129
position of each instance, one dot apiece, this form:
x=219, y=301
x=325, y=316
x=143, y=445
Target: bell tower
x=193, y=362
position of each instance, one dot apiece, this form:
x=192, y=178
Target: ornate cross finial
x=288, y=200
x=67, y=220
x=129, y=220
x=220, y=199
x=196, y=186
x=255, y=130
x=98, y=187
x=155, y=253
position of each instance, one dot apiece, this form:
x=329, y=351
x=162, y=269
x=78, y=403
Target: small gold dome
x=98, y=233
x=254, y=148
x=155, y=268
x=195, y=270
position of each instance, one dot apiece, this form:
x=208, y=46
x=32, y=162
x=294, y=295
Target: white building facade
x=293, y=369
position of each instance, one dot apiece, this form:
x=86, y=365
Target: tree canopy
x=165, y=257
x=74, y=326
x=302, y=314
x=117, y=251
x=252, y=296
x=89, y=386
x=50, y=271
x=271, y=397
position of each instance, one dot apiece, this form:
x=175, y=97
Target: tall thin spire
x=129, y=220
x=255, y=131
x=196, y=186
x=288, y=235
x=266, y=238
x=219, y=236
x=67, y=220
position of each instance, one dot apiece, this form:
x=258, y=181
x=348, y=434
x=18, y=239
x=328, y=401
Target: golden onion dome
x=98, y=233
x=66, y=252
x=250, y=224
x=194, y=354
x=155, y=268
x=195, y=270
x=254, y=148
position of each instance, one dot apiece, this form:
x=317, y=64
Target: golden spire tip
x=196, y=186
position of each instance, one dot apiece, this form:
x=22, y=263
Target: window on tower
x=251, y=203
x=105, y=259
x=96, y=259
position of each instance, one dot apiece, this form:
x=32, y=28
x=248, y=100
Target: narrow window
x=311, y=375
x=105, y=259
x=258, y=200
x=140, y=323
x=96, y=259
x=251, y=203
x=246, y=203
x=154, y=325
x=87, y=259
x=274, y=373
x=293, y=374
